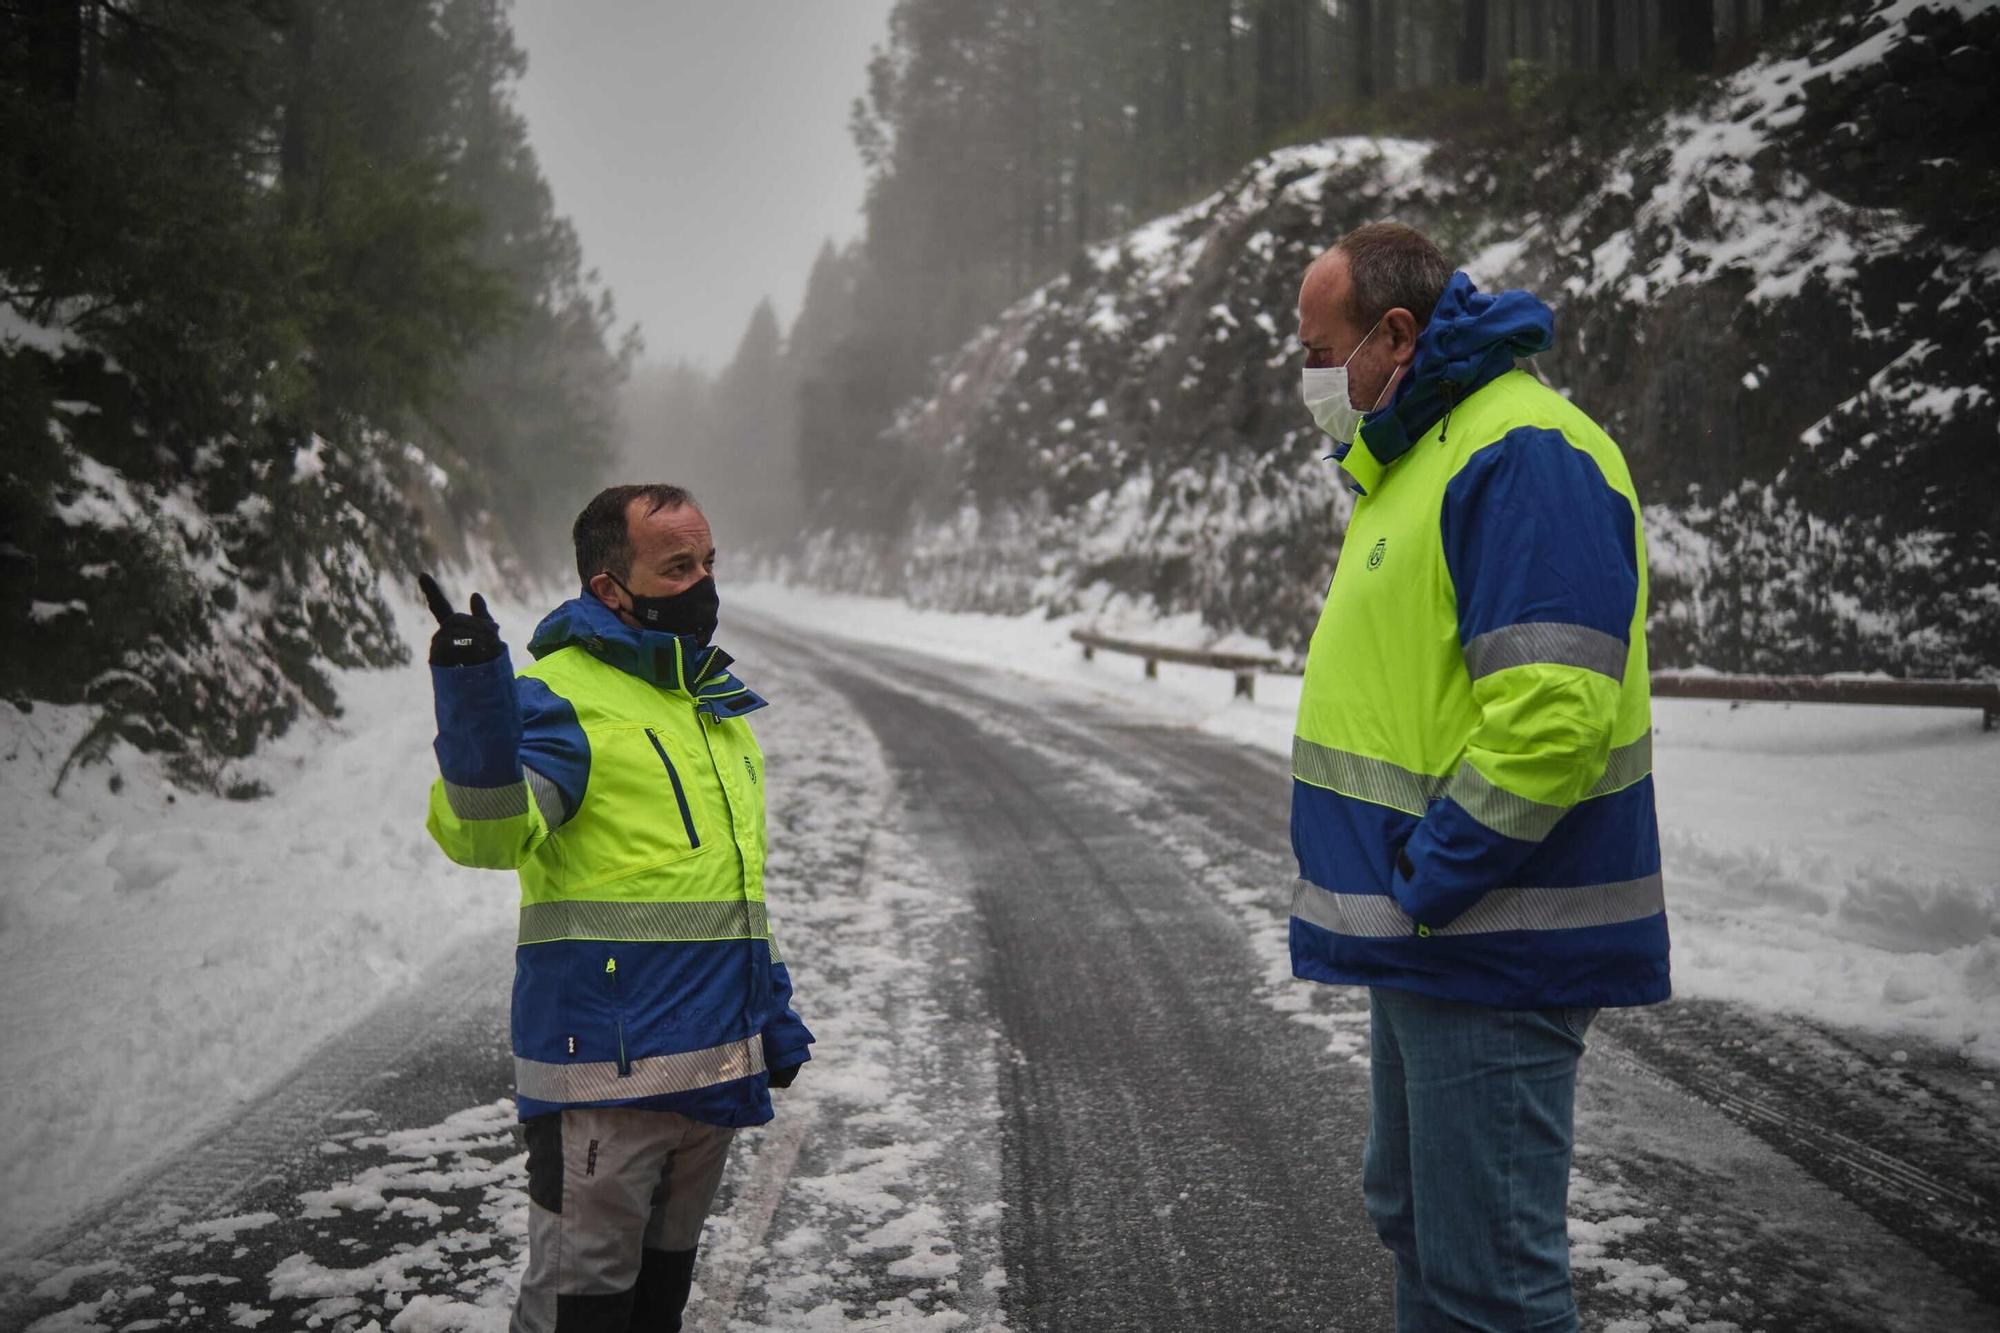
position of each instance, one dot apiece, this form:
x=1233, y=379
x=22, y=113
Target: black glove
x=463, y=638
x=782, y=1078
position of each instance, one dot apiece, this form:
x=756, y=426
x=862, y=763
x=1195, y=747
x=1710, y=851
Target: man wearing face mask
x=1472, y=798
x=651, y=1012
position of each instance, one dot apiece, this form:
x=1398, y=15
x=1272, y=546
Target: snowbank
x=167, y=954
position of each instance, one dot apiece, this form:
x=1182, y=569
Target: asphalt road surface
x=1177, y=1155
x=1179, y=1126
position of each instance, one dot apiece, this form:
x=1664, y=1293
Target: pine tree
x=264, y=243
x=756, y=434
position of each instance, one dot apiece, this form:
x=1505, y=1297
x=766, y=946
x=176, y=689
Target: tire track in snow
x=727, y=1270
x=1896, y=1144
x=465, y=994
x=1174, y=1153
x=311, y=1186
x=1917, y=1170
x=886, y=1212
x=1206, y=809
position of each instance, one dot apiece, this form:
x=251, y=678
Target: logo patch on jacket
x=1375, y=556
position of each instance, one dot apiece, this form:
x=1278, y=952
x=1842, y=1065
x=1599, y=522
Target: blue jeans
x=1466, y=1172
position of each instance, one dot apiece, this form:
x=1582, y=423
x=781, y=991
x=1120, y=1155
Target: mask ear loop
x=1372, y=330
x=633, y=610
x=1387, y=385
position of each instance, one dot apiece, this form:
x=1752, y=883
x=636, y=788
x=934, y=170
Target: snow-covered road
x=1064, y=1077
x=1174, y=1153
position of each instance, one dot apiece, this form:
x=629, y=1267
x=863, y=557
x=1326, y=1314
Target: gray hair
x=1390, y=265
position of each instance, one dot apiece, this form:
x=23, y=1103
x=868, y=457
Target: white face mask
x=1325, y=392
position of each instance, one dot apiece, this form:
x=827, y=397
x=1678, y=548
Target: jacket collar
x=675, y=663
x=1472, y=338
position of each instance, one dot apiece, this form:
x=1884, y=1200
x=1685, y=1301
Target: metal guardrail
x=1245, y=666
x=1981, y=695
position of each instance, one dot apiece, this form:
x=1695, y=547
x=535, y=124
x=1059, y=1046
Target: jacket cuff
x=787, y=1046
x=1449, y=863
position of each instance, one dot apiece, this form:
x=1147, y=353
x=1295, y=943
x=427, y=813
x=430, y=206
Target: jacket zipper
x=680, y=795
x=618, y=1016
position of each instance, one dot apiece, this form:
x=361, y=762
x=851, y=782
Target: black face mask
x=690, y=613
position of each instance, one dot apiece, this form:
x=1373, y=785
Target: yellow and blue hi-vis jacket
x=1472, y=797
x=618, y=776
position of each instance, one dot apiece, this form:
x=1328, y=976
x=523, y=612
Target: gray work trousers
x=604, y=1186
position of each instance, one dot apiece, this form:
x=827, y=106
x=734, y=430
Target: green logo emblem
x=1375, y=556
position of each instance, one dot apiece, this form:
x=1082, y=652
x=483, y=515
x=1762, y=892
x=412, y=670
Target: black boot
x=662, y=1293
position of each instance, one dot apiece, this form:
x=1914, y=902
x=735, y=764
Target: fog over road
x=1063, y=1081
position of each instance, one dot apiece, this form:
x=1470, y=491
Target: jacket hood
x=677, y=663
x=1472, y=337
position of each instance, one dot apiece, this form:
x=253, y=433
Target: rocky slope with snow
x=1780, y=295
x=195, y=609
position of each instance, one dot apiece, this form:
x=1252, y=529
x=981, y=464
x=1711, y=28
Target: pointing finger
x=434, y=596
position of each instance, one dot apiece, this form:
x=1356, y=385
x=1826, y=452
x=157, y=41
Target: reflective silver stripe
x=1546, y=643
x=1376, y=915
x=572, y=919
x=771, y=938
x=548, y=798
x=1397, y=787
x=1501, y=810
x=1627, y=764
x=1562, y=909
x=1373, y=914
x=487, y=802
x=1360, y=776
x=651, y=1076
x=1530, y=821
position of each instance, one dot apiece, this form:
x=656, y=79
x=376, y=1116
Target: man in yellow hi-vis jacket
x=651, y=1012
x=1472, y=799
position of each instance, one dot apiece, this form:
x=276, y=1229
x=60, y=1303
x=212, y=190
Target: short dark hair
x=603, y=535
x=1390, y=265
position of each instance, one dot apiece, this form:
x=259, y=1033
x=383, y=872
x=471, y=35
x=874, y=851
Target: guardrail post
x=1992, y=719
x=1246, y=684
x=1152, y=668
x=1088, y=652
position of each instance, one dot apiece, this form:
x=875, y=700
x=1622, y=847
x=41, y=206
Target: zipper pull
x=624, y=1062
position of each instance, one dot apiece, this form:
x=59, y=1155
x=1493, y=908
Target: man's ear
x=1402, y=329
x=604, y=589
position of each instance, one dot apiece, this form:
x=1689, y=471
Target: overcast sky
x=701, y=149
